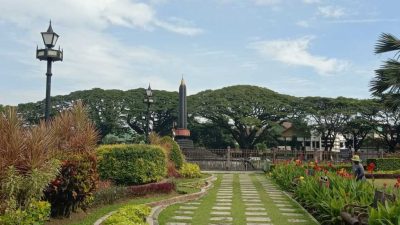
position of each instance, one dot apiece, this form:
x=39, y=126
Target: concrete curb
x=152, y=219
x=158, y=206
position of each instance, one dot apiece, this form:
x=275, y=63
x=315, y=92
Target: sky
x=295, y=47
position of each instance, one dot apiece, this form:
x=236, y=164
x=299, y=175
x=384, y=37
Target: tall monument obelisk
x=182, y=134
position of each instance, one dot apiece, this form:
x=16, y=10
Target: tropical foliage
x=325, y=189
x=386, y=83
x=76, y=139
x=27, y=165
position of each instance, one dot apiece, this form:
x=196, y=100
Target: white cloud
x=311, y=1
x=331, y=11
x=266, y=2
x=303, y=23
x=95, y=14
x=177, y=28
x=295, y=52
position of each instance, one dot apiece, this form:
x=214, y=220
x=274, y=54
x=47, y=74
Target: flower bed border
x=382, y=176
x=158, y=206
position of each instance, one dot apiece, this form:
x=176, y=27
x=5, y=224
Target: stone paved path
x=241, y=199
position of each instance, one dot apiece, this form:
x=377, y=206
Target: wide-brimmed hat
x=356, y=158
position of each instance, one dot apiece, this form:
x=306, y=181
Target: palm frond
x=387, y=43
x=387, y=78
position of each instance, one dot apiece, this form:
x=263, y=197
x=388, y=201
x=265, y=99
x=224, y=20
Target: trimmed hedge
x=129, y=215
x=385, y=163
x=131, y=164
x=175, y=154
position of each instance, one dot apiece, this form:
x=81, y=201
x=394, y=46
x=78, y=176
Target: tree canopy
x=241, y=115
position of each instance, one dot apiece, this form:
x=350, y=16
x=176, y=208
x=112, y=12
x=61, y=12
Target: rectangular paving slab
x=258, y=219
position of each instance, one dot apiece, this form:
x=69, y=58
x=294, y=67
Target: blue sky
x=296, y=47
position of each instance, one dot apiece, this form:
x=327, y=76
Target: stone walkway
x=241, y=199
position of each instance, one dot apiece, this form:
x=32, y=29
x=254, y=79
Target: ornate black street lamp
x=50, y=55
x=149, y=101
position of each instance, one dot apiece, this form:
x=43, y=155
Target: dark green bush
x=175, y=153
x=131, y=164
x=385, y=163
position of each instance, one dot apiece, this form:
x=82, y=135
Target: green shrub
x=76, y=139
x=190, y=170
x=129, y=215
x=131, y=164
x=175, y=153
x=74, y=187
x=385, y=163
x=27, y=165
x=37, y=212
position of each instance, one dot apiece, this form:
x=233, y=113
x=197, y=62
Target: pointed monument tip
x=182, y=81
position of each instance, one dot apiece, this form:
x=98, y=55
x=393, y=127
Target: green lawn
x=202, y=215
x=184, y=185
x=205, y=208
x=379, y=183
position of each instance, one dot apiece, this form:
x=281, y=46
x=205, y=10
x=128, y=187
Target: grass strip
x=238, y=206
x=201, y=215
x=273, y=210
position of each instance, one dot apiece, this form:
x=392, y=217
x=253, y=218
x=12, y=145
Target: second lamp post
x=149, y=101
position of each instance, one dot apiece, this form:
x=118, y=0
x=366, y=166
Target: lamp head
x=49, y=37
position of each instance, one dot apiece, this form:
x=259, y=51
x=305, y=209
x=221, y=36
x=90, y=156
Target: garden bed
x=93, y=214
x=382, y=176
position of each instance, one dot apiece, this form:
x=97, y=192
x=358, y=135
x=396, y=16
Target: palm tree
x=386, y=83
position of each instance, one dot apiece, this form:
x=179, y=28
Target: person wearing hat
x=358, y=168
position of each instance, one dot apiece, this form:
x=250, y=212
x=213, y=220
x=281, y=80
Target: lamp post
x=50, y=55
x=149, y=101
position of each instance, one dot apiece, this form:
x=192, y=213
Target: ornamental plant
x=326, y=192
x=173, y=153
x=27, y=165
x=190, y=170
x=76, y=138
x=129, y=215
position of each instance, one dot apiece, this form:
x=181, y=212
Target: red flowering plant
x=397, y=187
x=76, y=138
x=370, y=169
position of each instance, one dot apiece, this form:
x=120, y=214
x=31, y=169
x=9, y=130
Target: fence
x=252, y=159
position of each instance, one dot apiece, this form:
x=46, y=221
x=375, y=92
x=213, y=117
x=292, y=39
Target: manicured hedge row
x=385, y=163
x=131, y=164
x=175, y=154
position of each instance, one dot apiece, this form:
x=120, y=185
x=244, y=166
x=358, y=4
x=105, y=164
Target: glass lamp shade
x=49, y=39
